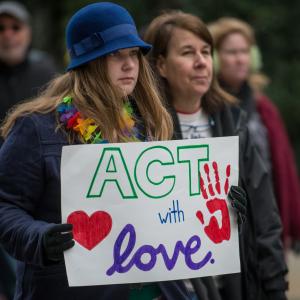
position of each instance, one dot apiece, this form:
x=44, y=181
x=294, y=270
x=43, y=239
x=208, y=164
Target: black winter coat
x=262, y=258
x=24, y=80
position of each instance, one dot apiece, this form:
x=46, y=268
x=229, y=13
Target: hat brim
x=128, y=41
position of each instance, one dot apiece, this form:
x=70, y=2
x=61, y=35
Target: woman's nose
x=200, y=61
x=128, y=63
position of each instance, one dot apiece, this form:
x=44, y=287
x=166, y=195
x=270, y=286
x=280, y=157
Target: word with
x=173, y=214
x=191, y=247
x=152, y=172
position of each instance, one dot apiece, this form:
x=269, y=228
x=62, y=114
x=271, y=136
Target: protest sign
x=152, y=211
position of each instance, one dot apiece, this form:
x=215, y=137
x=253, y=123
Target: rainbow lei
x=87, y=129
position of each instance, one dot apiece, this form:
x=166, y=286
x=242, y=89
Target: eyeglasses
x=14, y=28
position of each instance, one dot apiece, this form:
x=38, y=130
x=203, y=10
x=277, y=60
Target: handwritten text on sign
x=152, y=211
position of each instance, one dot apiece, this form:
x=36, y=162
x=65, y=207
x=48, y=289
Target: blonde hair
x=259, y=81
x=159, y=34
x=221, y=28
x=95, y=97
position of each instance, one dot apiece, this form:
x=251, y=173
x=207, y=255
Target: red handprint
x=214, y=201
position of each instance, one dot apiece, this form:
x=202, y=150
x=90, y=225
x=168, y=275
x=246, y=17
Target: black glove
x=238, y=200
x=56, y=240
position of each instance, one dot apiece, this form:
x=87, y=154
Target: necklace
x=87, y=129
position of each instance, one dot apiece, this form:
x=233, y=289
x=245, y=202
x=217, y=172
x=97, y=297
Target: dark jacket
x=24, y=80
x=267, y=128
x=262, y=259
x=30, y=202
x=255, y=125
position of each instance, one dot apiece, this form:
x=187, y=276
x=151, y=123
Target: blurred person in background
x=182, y=58
x=237, y=62
x=23, y=70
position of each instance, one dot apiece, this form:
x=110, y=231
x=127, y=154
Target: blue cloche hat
x=99, y=29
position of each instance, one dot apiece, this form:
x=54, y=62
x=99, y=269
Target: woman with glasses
x=237, y=67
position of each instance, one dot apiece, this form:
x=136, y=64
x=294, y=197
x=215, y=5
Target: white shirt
x=195, y=125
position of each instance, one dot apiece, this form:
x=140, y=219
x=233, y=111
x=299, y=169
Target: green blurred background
x=276, y=23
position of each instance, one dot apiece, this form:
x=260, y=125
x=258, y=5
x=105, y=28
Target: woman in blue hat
x=106, y=95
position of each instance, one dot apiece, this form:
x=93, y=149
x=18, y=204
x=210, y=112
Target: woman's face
x=123, y=69
x=234, y=59
x=187, y=66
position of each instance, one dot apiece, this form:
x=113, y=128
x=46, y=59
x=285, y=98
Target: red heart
x=90, y=231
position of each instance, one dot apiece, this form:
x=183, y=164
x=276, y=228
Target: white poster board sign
x=153, y=211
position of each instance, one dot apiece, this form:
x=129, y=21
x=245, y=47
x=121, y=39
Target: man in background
x=23, y=71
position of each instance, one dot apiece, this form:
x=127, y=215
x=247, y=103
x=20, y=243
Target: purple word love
x=187, y=251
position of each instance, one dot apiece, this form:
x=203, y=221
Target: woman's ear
x=161, y=66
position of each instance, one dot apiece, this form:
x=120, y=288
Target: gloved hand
x=56, y=240
x=238, y=200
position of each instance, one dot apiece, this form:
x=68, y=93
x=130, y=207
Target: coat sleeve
x=21, y=187
x=265, y=219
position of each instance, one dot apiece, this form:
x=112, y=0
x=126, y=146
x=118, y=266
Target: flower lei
x=87, y=129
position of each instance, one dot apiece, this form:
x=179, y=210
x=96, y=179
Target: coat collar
x=226, y=122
